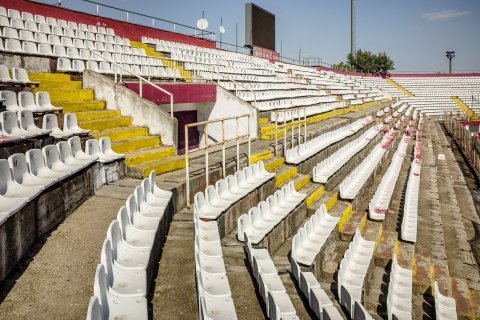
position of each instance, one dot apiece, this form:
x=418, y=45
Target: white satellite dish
x=221, y=29
x=202, y=24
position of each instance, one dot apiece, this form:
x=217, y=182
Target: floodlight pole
x=450, y=55
x=221, y=24
x=353, y=33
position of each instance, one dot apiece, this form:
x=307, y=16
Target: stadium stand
x=277, y=233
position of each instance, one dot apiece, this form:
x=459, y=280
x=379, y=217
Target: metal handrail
x=141, y=79
x=292, y=123
x=207, y=145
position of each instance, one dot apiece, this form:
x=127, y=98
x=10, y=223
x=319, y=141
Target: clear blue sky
x=415, y=33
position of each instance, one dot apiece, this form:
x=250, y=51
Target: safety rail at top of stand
x=141, y=79
x=231, y=80
x=295, y=114
x=222, y=142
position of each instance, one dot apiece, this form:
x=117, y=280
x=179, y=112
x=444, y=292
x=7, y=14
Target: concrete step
x=353, y=220
x=421, y=274
x=160, y=166
x=135, y=144
x=463, y=298
x=284, y=173
x=299, y=302
x=97, y=115
x=385, y=249
x=123, y=133
x=262, y=156
x=47, y=76
x=47, y=85
x=150, y=154
x=80, y=106
x=301, y=181
x=57, y=95
x=105, y=124
x=274, y=163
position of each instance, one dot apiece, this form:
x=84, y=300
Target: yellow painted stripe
x=254, y=158
x=332, y=201
x=315, y=196
x=127, y=133
x=47, y=85
x=470, y=113
x=165, y=167
x=39, y=76
x=275, y=164
x=69, y=95
x=136, y=144
x=263, y=121
x=105, y=124
x=302, y=183
x=95, y=115
x=345, y=217
x=363, y=222
x=286, y=176
x=150, y=156
x=81, y=106
x=400, y=88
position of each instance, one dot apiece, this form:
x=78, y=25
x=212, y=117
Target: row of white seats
x=262, y=219
x=20, y=125
x=317, y=298
x=278, y=94
x=24, y=176
x=217, y=199
x=445, y=307
x=213, y=289
x=352, y=272
x=408, y=230
x=26, y=101
x=292, y=102
x=351, y=185
x=306, y=150
x=306, y=111
x=27, y=16
x=32, y=31
x=399, y=298
x=378, y=206
x=326, y=168
x=309, y=240
x=277, y=301
x=19, y=76
x=120, y=286
x=256, y=86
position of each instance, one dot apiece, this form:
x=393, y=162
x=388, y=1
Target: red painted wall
x=129, y=30
x=182, y=93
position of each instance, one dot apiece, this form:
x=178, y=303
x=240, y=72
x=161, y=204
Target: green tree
x=366, y=62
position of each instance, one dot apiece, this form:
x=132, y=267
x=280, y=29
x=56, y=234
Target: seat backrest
x=106, y=258
x=26, y=100
x=100, y=289
x=44, y=48
x=4, y=74
x=9, y=121
x=94, y=311
x=50, y=122
x=50, y=153
x=105, y=145
x=25, y=119
x=139, y=196
x=29, y=47
x=5, y=176
x=92, y=147
x=64, y=150
x=10, y=99
x=131, y=207
x=35, y=160
x=18, y=164
x=75, y=145
x=70, y=121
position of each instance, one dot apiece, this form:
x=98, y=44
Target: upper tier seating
x=260, y=220
x=305, y=150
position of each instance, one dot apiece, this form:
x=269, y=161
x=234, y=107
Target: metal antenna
x=450, y=55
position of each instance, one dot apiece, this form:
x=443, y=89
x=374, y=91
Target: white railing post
x=238, y=144
x=206, y=155
x=249, y=141
x=224, y=174
x=284, y=133
x=187, y=168
x=141, y=88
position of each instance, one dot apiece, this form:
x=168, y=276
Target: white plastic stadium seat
x=43, y=100
x=66, y=156
x=38, y=168
x=4, y=74
x=70, y=124
x=25, y=119
x=26, y=101
x=106, y=149
x=11, y=189
x=23, y=176
x=11, y=127
x=50, y=122
x=445, y=307
x=77, y=152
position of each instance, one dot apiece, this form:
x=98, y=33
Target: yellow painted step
x=400, y=88
x=160, y=166
x=254, y=158
x=40, y=76
x=149, y=155
x=314, y=196
x=95, y=115
x=105, y=124
x=284, y=175
x=263, y=121
x=301, y=181
x=135, y=144
x=124, y=133
x=46, y=85
x=69, y=106
x=274, y=163
x=69, y=95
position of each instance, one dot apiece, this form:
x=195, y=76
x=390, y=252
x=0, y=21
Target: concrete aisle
x=55, y=281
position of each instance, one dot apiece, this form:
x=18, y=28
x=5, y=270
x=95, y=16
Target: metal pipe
x=223, y=150
x=206, y=155
x=187, y=169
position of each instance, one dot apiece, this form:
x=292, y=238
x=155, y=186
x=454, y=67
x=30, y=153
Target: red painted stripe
x=182, y=93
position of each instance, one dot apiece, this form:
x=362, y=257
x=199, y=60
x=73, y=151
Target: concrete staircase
x=470, y=113
x=144, y=152
x=400, y=88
